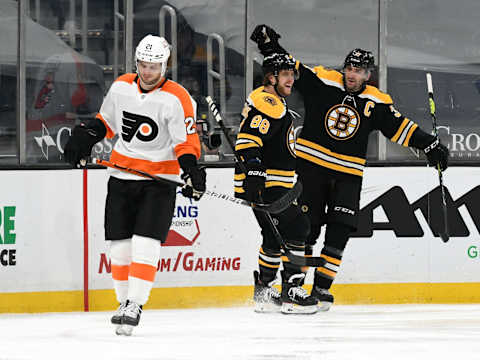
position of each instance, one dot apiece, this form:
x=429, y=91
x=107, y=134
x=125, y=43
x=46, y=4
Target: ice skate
x=324, y=297
x=295, y=299
x=267, y=298
x=117, y=317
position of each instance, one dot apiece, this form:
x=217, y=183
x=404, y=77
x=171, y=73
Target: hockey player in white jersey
x=155, y=120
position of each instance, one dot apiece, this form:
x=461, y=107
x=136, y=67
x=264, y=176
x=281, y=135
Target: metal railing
x=173, y=33
x=220, y=75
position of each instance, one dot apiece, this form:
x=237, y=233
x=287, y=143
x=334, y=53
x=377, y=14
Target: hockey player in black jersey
x=265, y=143
x=340, y=113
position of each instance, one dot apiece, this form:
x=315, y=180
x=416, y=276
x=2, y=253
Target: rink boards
x=53, y=256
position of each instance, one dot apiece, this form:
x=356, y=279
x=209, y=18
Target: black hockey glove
x=254, y=182
x=267, y=40
x=437, y=154
x=79, y=145
x=194, y=176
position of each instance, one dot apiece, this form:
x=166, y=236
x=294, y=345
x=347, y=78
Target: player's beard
x=283, y=91
x=152, y=82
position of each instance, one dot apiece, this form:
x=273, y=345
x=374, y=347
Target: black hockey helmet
x=275, y=62
x=360, y=58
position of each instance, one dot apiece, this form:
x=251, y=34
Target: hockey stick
x=274, y=207
x=445, y=234
x=294, y=259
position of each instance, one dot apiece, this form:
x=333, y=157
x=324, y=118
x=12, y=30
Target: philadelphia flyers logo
x=342, y=122
x=144, y=128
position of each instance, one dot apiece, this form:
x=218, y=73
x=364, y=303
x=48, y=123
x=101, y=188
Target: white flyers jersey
x=153, y=128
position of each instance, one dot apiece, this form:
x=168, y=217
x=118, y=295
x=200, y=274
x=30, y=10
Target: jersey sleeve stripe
x=110, y=133
x=281, y=172
x=269, y=184
x=250, y=137
x=400, y=130
x=245, y=146
x=409, y=135
x=152, y=167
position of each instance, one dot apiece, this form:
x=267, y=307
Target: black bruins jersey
x=266, y=132
x=337, y=124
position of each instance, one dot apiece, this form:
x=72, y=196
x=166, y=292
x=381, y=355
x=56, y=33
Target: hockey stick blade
x=274, y=207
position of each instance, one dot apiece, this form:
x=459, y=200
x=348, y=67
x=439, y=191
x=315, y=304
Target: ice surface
x=345, y=332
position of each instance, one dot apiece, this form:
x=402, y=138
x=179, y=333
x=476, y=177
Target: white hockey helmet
x=153, y=49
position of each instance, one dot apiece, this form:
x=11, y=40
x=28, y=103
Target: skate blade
x=324, y=306
x=289, y=308
x=125, y=330
x=266, y=308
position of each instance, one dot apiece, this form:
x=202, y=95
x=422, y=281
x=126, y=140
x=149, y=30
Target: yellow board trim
x=225, y=296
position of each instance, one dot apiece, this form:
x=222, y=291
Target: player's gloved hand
x=437, y=154
x=267, y=40
x=194, y=176
x=79, y=145
x=254, y=182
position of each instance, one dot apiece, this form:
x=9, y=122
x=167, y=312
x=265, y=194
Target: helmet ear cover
x=153, y=49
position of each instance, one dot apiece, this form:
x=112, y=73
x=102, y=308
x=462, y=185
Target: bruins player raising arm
x=265, y=143
x=340, y=113
x=155, y=121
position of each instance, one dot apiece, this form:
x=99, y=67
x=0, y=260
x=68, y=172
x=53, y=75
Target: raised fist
x=266, y=39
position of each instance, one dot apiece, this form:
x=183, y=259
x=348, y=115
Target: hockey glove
x=194, y=176
x=79, y=145
x=267, y=40
x=254, y=182
x=437, y=154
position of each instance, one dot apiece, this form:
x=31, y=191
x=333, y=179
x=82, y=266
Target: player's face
x=286, y=79
x=355, y=77
x=149, y=73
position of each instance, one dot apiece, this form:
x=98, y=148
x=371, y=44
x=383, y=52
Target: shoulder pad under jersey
x=267, y=103
x=372, y=93
x=329, y=76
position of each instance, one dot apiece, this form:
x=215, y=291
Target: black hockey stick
x=445, y=234
x=275, y=207
x=294, y=259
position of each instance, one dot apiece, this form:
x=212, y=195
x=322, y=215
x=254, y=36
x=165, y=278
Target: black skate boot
x=324, y=297
x=266, y=297
x=130, y=318
x=117, y=317
x=295, y=299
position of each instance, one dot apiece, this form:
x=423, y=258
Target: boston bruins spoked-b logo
x=291, y=140
x=142, y=126
x=342, y=122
